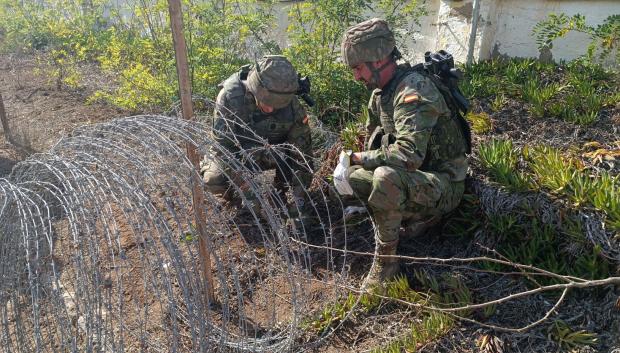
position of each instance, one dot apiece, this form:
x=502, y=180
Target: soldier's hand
x=205, y=165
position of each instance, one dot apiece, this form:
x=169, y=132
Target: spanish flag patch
x=411, y=98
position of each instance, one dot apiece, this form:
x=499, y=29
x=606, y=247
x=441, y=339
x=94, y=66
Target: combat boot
x=384, y=268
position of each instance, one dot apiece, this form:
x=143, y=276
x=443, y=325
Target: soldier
x=415, y=165
x=260, y=101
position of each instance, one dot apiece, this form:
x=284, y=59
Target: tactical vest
x=385, y=102
x=440, y=156
x=273, y=127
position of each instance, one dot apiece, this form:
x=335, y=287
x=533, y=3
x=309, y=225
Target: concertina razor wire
x=99, y=250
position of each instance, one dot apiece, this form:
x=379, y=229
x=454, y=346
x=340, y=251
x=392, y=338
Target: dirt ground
x=39, y=114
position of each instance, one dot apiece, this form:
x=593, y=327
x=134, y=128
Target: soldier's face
x=385, y=68
x=267, y=109
x=361, y=72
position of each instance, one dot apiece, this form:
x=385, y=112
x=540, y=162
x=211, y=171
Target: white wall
x=505, y=26
x=516, y=19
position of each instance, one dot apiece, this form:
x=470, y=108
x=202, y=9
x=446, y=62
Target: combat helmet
x=273, y=81
x=368, y=41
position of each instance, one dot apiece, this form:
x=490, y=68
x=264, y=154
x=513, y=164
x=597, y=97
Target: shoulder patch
x=411, y=98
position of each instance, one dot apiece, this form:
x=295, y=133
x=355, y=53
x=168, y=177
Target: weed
x=503, y=224
x=550, y=168
x=605, y=196
x=587, y=70
x=481, y=80
x=573, y=229
x=499, y=102
x=577, y=97
x=187, y=237
x=465, y=219
x=580, y=187
x=530, y=241
x=350, y=136
x=399, y=288
x=538, y=95
x=524, y=237
x=480, y=122
x=518, y=71
x=592, y=265
x=560, y=110
x=332, y=314
x=586, y=118
x=425, y=280
x=501, y=158
x=567, y=338
x=612, y=100
x=456, y=293
x=354, y=132
x=336, y=312
x=434, y=324
x=489, y=310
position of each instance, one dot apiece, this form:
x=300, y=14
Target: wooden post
x=185, y=91
x=5, y=122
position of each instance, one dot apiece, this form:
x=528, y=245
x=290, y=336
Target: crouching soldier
x=416, y=167
x=260, y=100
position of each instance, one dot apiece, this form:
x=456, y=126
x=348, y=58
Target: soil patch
x=39, y=114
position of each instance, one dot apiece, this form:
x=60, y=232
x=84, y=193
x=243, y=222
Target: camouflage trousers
x=396, y=195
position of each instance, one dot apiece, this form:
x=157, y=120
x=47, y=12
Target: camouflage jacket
x=418, y=131
x=238, y=121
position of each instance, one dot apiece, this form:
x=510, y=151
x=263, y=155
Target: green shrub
x=605, y=37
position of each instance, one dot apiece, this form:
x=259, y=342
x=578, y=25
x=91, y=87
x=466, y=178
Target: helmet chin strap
x=376, y=72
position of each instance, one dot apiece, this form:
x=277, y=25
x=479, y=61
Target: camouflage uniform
x=415, y=167
x=238, y=120
x=418, y=170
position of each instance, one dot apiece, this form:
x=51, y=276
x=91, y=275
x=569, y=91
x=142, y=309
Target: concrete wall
x=516, y=19
x=505, y=27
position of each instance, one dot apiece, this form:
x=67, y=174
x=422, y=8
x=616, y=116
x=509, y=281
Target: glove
x=341, y=174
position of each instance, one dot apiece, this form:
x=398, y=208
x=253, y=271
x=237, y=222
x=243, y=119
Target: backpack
x=439, y=68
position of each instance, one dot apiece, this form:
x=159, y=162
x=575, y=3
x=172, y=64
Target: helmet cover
x=273, y=81
x=368, y=41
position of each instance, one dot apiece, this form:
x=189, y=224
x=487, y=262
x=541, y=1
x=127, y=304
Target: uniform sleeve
x=300, y=134
x=232, y=121
x=417, y=106
x=373, y=118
